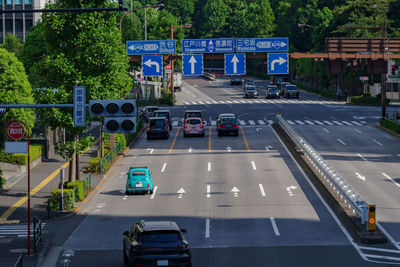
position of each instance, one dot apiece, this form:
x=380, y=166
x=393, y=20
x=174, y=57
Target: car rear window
x=160, y=237
x=151, y=109
x=161, y=114
x=250, y=88
x=157, y=123
x=273, y=88
x=193, y=122
x=291, y=87
x=228, y=120
x=193, y=114
x=138, y=173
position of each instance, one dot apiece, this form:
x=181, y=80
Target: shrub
x=94, y=165
x=80, y=189
x=68, y=202
x=35, y=151
x=391, y=125
x=2, y=180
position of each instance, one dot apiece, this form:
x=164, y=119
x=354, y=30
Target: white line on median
x=262, y=190
x=209, y=166
x=163, y=167
x=274, y=226
x=208, y=190
x=254, y=165
x=358, y=154
x=390, y=178
x=343, y=143
x=207, y=228
x=377, y=142
x=154, y=192
x=326, y=130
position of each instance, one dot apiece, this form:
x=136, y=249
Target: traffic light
x=120, y=124
x=371, y=218
x=112, y=108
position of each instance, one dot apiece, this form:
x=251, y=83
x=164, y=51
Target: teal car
x=139, y=180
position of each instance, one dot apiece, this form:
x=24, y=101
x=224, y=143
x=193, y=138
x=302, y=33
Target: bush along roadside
x=320, y=92
x=391, y=125
x=368, y=99
x=2, y=181
x=35, y=152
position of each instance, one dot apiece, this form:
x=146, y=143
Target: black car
x=157, y=127
x=166, y=114
x=157, y=243
x=227, y=124
x=147, y=112
x=272, y=92
x=250, y=91
x=236, y=79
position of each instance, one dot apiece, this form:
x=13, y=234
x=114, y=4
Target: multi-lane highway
x=243, y=200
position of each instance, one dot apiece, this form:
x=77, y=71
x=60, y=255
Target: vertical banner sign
x=79, y=106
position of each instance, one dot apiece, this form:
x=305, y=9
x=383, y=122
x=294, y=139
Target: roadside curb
x=387, y=130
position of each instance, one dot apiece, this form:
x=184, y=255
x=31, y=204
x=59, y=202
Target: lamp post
x=383, y=75
x=171, y=62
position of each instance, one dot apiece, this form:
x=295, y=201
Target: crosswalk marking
x=318, y=122
x=213, y=123
x=175, y=123
x=264, y=101
x=201, y=103
x=270, y=121
x=336, y=122
x=291, y=122
x=17, y=229
x=356, y=123
x=300, y=122
x=242, y=122
x=186, y=103
x=309, y=122
x=252, y=122
x=221, y=102
x=207, y=102
x=327, y=122
x=194, y=103
x=261, y=122
x=347, y=123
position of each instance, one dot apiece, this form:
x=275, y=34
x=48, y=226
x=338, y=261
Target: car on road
x=166, y=114
x=147, y=112
x=156, y=243
x=193, y=114
x=227, y=124
x=139, y=181
x=281, y=86
x=157, y=127
x=248, y=82
x=236, y=79
x=272, y=92
x=193, y=126
x=290, y=90
x=250, y=91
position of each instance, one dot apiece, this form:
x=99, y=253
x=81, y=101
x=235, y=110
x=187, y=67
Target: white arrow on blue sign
x=235, y=64
x=192, y=64
x=152, y=65
x=278, y=63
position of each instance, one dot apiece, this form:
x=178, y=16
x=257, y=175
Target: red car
x=193, y=126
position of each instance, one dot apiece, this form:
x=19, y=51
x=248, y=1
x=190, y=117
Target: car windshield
x=250, y=88
x=157, y=123
x=273, y=89
x=160, y=237
x=151, y=109
x=291, y=87
x=193, y=122
x=235, y=77
x=138, y=173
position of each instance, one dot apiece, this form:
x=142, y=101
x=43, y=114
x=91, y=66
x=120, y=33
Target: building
x=18, y=24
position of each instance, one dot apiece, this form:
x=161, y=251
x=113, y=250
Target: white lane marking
x=343, y=143
x=300, y=122
x=186, y=103
x=262, y=190
x=181, y=192
x=270, y=121
x=252, y=122
x=267, y=148
x=398, y=156
x=318, y=122
x=207, y=228
x=195, y=85
x=235, y=191
x=254, y=165
x=356, y=123
x=347, y=123
x=193, y=95
x=338, y=123
x=194, y=103
x=261, y=122
x=358, y=131
x=381, y=257
x=190, y=149
x=207, y=102
x=326, y=130
x=154, y=192
x=380, y=249
x=291, y=122
x=377, y=142
x=328, y=122
x=358, y=154
x=309, y=122
x=125, y=198
x=201, y=103
x=242, y=122
x=213, y=123
x=391, y=179
x=208, y=191
x=175, y=123
x=151, y=151
x=209, y=166
x=359, y=176
x=276, y=231
x=163, y=167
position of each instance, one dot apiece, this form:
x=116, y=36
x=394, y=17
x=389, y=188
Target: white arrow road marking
x=235, y=191
x=276, y=231
x=150, y=63
x=125, y=198
x=328, y=122
x=181, y=192
x=209, y=166
x=208, y=190
x=358, y=131
x=262, y=190
x=175, y=123
x=359, y=176
x=252, y=122
x=154, y=192
x=280, y=61
x=343, y=143
x=228, y=148
x=254, y=165
x=377, y=142
x=190, y=149
x=213, y=123
x=207, y=228
x=326, y=130
x=163, y=167
x=242, y=122
x=192, y=61
x=151, y=150
x=235, y=61
x=267, y=148
x=390, y=178
x=356, y=123
x=358, y=154
x=290, y=188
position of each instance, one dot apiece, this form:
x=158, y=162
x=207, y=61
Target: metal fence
x=19, y=262
x=337, y=183
x=107, y=160
x=37, y=233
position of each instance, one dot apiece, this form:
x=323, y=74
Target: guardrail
x=19, y=262
x=37, y=233
x=351, y=197
x=210, y=76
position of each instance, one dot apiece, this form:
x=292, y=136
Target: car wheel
x=151, y=191
x=297, y=96
x=219, y=134
x=184, y=135
x=126, y=260
x=202, y=135
x=237, y=133
x=148, y=137
x=127, y=192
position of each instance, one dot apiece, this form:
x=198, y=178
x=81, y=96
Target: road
x=245, y=200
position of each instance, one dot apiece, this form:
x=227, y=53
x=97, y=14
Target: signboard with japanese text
x=150, y=47
x=222, y=45
x=79, y=106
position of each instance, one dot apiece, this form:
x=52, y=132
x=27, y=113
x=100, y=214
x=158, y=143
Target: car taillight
x=130, y=186
x=219, y=126
x=236, y=126
x=166, y=127
x=201, y=125
x=184, y=126
x=148, y=127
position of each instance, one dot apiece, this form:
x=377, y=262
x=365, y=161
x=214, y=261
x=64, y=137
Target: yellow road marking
x=245, y=140
x=209, y=141
x=173, y=142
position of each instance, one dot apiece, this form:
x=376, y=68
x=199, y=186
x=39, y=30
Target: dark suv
x=157, y=243
x=157, y=127
x=227, y=124
x=166, y=114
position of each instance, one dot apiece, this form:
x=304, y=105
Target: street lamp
x=171, y=62
x=383, y=75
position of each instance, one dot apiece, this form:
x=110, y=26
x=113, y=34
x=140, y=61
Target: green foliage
x=12, y=43
x=94, y=165
x=2, y=180
x=80, y=188
x=68, y=199
x=70, y=147
x=213, y=18
x=391, y=125
x=130, y=136
x=368, y=99
x=35, y=152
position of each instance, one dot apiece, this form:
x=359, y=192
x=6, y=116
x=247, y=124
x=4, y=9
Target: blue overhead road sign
x=235, y=64
x=278, y=63
x=151, y=47
x=223, y=45
x=192, y=64
x=276, y=44
x=152, y=65
x=79, y=106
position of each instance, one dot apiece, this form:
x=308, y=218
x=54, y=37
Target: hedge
x=35, y=151
x=94, y=165
x=80, y=189
x=69, y=199
x=391, y=125
x=368, y=99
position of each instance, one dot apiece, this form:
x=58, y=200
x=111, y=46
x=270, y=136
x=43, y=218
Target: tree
x=15, y=88
x=12, y=43
x=212, y=19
